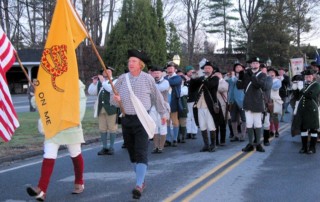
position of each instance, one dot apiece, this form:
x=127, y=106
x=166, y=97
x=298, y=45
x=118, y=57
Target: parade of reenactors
x=159, y=106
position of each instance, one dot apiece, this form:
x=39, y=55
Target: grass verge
x=27, y=138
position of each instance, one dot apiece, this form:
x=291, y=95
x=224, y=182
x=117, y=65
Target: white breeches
x=253, y=119
x=205, y=120
x=161, y=128
x=191, y=124
x=51, y=150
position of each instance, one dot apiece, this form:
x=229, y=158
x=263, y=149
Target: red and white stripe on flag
x=8, y=116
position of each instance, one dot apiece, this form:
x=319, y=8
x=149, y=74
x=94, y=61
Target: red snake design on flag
x=54, y=62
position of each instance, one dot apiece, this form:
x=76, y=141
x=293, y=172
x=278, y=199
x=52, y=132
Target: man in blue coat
x=175, y=82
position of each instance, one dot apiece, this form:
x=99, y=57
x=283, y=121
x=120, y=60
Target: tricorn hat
x=207, y=63
x=254, y=59
x=308, y=72
x=274, y=70
x=236, y=64
x=155, y=68
x=139, y=54
x=313, y=63
x=297, y=77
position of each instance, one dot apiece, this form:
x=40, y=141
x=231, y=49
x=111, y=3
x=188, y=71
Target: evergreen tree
x=141, y=27
x=173, y=42
x=160, y=36
x=272, y=36
x=220, y=18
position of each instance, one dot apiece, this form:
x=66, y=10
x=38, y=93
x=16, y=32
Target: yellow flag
x=57, y=91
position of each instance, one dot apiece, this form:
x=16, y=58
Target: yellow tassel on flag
x=57, y=93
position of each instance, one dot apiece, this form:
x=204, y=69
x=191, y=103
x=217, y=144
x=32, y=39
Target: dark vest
x=104, y=101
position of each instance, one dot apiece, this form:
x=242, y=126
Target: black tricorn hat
x=297, y=77
x=139, y=54
x=254, y=59
x=262, y=65
x=236, y=64
x=274, y=70
x=313, y=63
x=102, y=70
x=208, y=63
x=155, y=68
x=308, y=72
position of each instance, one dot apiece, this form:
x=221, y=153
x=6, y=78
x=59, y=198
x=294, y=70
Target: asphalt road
x=179, y=174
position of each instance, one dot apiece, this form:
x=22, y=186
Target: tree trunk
x=110, y=21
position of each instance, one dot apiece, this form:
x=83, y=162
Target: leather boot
x=235, y=130
x=213, y=137
x=205, y=141
x=257, y=132
x=217, y=133
x=183, y=134
x=266, y=138
x=243, y=131
x=223, y=133
x=104, y=140
x=112, y=139
x=313, y=142
x=304, y=149
x=230, y=128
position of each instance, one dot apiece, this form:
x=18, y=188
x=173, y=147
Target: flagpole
x=100, y=60
x=21, y=66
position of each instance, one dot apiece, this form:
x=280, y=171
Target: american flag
x=8, y=116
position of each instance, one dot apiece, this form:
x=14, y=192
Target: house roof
x=29, y=57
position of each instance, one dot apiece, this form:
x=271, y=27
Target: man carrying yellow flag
x=60, y=97
x=57, y=96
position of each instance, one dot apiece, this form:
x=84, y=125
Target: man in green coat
x=306, y=115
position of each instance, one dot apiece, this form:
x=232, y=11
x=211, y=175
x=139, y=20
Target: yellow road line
x=193, y=183
x=214, y=179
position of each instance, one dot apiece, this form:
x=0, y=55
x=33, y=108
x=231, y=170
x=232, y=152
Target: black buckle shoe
x=312, y=150
x=110, y=151
x=212, y=148
x=234, y=139
x=167, y=143
x=103, y=151
x=259, y=148
x=204, y=148
x=303, y=150
x=248, y=148
x=155, y=150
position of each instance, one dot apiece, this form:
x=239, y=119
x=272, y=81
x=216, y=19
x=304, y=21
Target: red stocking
x=271, y=126
x=46, y=171
x=78, y=169
x=276, y=126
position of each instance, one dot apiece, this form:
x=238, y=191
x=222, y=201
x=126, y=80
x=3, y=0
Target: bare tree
x=249, y=15
x=112, y=7
x=194, y=8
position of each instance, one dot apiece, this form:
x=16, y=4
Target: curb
x=30, y=154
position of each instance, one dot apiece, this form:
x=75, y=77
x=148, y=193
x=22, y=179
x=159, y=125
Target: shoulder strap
x=128, y=83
